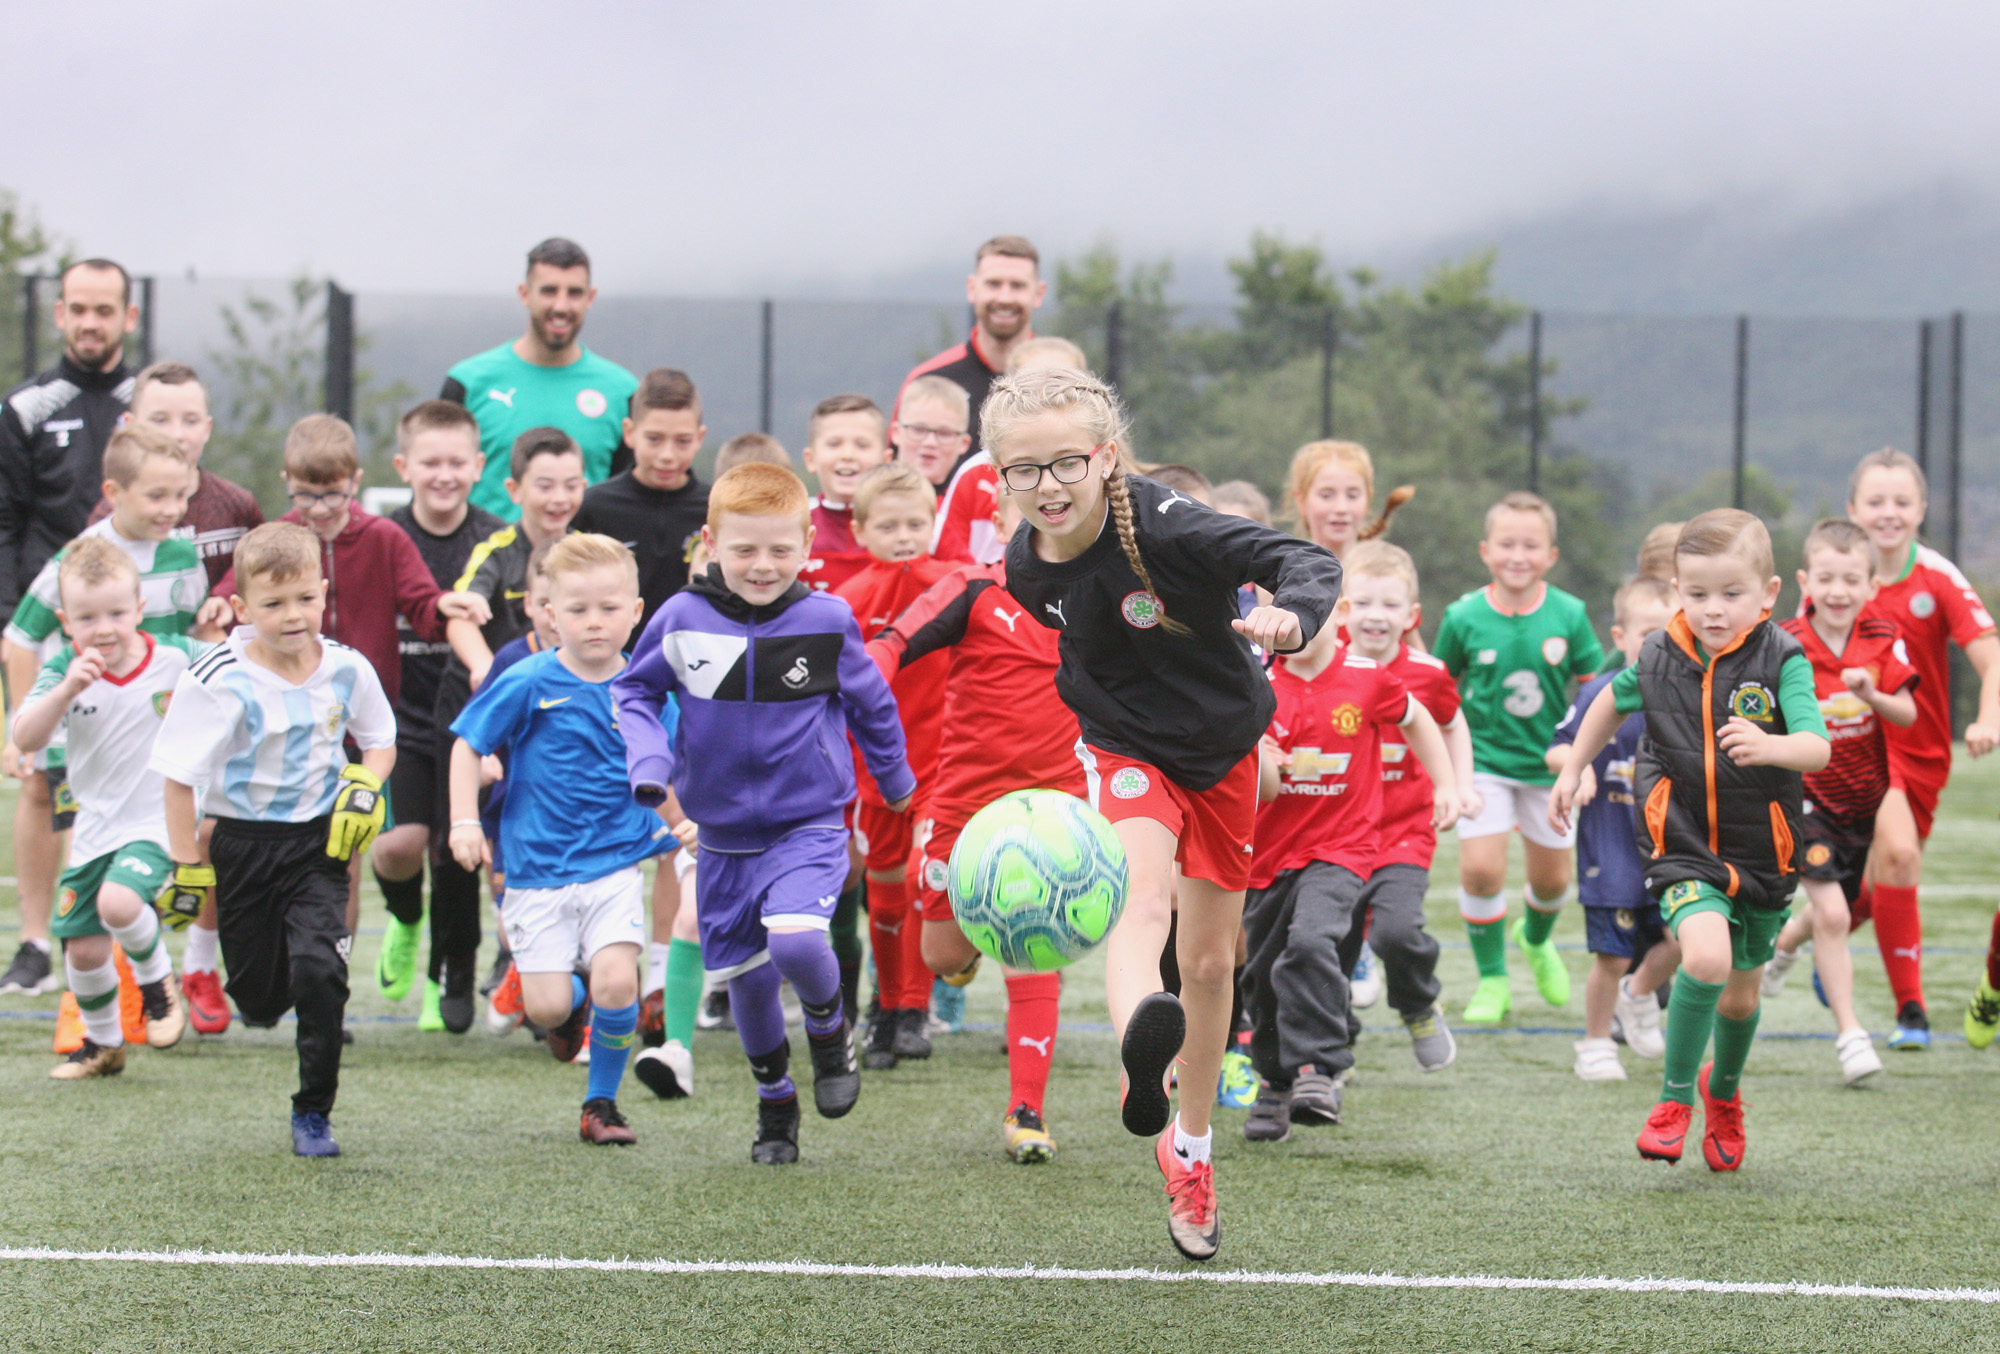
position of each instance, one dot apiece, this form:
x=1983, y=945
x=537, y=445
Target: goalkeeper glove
x=358, y=810
x=180, y=901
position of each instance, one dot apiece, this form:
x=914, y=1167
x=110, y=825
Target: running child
x=1316, y=844
x=575, y=912
x=1514, y=646
x=770, y=678
x=107, y=690
x=1329, y=488
x=1631, y=951
x=846, y=437
x=1157, y=667
x=930, y=427
x=1864, y=681
x=1003, y=729
x=1731, y=725
x=437, y=455
x=893, y=508
x=259, y=722
x=1381, y=612
x=1933, y=606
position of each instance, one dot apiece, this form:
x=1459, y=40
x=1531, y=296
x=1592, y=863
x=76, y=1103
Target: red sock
x=1993, y=956
x=1899, y=934
x=888, y=918
x=1863, y=907
x=1032, y=1000
x=916, y=973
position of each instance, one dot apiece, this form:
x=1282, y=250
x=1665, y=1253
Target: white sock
x=656, y=968
x=1541, y=904
x=144, y=945
x=103, y=1026
x=1473, y=907
x=41, y=945
x=1191, y=1149
x=203, y=947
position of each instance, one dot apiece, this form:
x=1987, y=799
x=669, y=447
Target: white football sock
x=203, y=948
x=104, y=1026
x=1191, y=1149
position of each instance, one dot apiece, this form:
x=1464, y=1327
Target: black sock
x=405, y=897
x=1170, y=958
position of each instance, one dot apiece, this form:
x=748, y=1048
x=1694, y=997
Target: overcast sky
x=815, y=149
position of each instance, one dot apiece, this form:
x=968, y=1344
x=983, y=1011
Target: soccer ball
x=1037, y=879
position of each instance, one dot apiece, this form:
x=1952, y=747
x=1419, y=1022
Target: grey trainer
x=1315, y=1098
x=1430, y=1039
x=1271, y=1117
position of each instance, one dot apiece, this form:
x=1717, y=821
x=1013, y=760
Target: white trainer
x=667, y=1071
x=1597, y=1060
x=1775, y=971
x=1640, y=1018
x=1858, y=1059
x=1365, y=986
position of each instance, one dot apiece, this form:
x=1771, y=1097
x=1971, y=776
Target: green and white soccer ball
x=1037, y=879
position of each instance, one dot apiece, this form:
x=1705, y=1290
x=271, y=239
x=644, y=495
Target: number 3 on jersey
x=1524, y=694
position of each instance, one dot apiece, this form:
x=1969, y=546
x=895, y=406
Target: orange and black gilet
x=1702, y=816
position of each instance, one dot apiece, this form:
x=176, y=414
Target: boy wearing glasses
x=372, y=568
x=930, y=427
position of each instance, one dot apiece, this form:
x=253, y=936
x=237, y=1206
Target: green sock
x=845, y=931
x=1732, y=1049
x=1537, y=926
x=1489, y=946
x=681, y=995
x=1690, y=1018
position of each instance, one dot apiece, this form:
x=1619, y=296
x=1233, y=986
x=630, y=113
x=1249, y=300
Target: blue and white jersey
x=263, y=748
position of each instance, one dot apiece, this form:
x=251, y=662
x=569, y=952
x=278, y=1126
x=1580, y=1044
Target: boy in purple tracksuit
x=770, y=678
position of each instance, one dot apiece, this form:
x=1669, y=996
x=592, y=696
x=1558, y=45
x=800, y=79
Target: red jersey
x=1407, y=835
x=373, y=575
x=1329, y=804
x=835, y=557
x=1931, y=604
x=879, y=592
x=1005, y=728
x=965, y=528
x=1854, y=781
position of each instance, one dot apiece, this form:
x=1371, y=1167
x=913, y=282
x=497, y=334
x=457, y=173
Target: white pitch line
x=801, y=1269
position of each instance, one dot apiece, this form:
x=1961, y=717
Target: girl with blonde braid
x=1142, y=582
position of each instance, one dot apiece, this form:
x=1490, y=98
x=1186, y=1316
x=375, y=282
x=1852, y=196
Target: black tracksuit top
x=1192, y=705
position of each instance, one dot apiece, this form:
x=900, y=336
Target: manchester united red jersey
x=1854, y=781
x=1931, y=605
x=879, y=592
x=1407, y=835
x=1004, y=728
x=1329, y=804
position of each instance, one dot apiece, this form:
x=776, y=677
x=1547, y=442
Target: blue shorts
x=1623, y=932
x=791, y=884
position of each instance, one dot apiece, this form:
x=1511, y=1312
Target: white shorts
x=554, y=930
x=1509, y=803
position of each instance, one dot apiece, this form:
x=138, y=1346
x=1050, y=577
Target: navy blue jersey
x=1609, y=871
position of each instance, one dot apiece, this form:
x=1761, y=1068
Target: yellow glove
x=180, y=901
x=358, y=810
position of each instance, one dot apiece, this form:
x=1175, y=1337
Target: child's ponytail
x=1398, y=496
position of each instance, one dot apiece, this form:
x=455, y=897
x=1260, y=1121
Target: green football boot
x=1551, y=977
x=1491, y=1001
x=396, y=966
x=1982, y=1016
x=431, y=1019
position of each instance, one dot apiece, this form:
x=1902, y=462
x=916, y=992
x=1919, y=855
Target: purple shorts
x=792, y=884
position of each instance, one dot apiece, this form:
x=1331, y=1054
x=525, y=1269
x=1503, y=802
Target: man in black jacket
x=52, y=435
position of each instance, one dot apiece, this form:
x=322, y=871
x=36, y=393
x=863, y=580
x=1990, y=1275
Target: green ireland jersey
x=1513, y=674
x=588, y=399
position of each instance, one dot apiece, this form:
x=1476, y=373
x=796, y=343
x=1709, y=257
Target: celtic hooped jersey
x=1513, y=673
x=111, y=726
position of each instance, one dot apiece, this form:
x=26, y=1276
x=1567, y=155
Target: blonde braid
x=1120, y=500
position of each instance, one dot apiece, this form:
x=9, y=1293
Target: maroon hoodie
x=373, y=574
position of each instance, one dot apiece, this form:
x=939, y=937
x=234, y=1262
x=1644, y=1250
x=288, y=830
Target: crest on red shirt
x=1347, y=719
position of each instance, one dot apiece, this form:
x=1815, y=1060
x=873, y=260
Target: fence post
x=31, y=318
x=1534, y=401
x=1738, y=449
x=764, y=360
x=1114, y=343
x=145, y=322
x=1955, y=440
x=1328, y=339
x=1924, y=395
x=339, y=352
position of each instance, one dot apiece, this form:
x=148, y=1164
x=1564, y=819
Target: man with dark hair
x=658, y=506
x=1005, y=288
x=544, y=378
x=52, y=435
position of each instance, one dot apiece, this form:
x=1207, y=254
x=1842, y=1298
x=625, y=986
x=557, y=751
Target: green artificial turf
x=1504, y=1164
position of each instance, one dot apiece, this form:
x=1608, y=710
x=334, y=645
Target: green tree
x=25, y=248
x=274, y=370
x=1159, y=364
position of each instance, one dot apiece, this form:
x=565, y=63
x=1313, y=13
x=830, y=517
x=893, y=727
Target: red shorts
x=884, y=836
x=1214, y=826
x=1921, y=783
x=934, y=843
